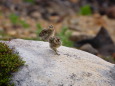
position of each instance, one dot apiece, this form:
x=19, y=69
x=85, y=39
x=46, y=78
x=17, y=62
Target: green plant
x=2, y=32
x=85, y=10
x=1, y=13
x=16, y=21
x=24, y=24
x=9, y=63
x=14, y=18
x=30, y=1
x=39, y=29
x=109, y=59
x=64, y=35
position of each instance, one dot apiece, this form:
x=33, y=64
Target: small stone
x=35, y=15
x=78, y=36
x=89, y=48
x=12, y=33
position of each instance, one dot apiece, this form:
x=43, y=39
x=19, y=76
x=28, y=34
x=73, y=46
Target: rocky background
x=90, y=22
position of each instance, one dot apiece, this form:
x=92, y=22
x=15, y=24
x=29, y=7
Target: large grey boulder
x=71, y=68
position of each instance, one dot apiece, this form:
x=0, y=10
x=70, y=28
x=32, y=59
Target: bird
x=45, y=34
x=55, y=43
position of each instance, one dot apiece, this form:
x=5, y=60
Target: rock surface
x=71, y=68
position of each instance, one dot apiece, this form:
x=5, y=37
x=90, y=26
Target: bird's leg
x=56, y=51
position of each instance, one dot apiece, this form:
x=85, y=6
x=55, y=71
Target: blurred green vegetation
x=1, y=13
x=15, y=20
x=2, y=33
x=109, y=59
x=24, y=24
x=9, y=63
x=39, y=28
x=30, y=1
x=64, y=36
x=85, y=10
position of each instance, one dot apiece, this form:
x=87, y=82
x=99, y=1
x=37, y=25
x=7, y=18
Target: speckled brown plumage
x=55, y=42
x=45, y=34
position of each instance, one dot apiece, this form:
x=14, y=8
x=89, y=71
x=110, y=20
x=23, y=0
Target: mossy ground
x=9, y=63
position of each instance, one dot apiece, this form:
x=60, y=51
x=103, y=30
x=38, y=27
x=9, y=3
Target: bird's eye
x=58, y=39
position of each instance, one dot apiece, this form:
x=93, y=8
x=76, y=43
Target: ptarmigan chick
x=55, y=42
x=45, y=34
